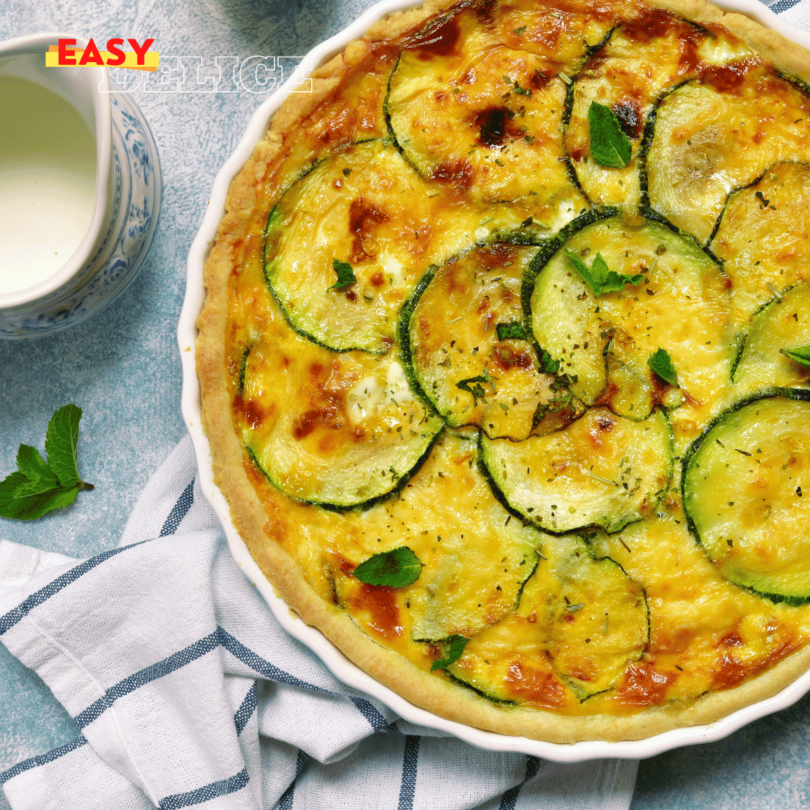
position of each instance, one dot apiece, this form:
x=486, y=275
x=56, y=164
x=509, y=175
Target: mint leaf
x=16, y=507
x=394, y=569
x=477, y=390
x=610, y=147
x=511, y=331
x=345, y=275
x=457, y=644
x=9, y=503
x=61, y=445
x=800, y=355
x=38, y=487
x=599, y=277
x=548, y=363
x=661, y=363
x=39, y=476
x=36, y=506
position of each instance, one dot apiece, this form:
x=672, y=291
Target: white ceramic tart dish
x=501, y=377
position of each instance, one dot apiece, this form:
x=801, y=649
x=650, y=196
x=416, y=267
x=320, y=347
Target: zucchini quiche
x=505, y=357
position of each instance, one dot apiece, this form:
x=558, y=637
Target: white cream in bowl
x=47, y=183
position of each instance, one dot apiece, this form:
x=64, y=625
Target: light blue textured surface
x=122, y=368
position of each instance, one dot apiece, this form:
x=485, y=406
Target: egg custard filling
x=505, y=361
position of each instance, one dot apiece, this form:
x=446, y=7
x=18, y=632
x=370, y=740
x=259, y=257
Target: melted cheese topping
x=720, y=132
x=763, y=237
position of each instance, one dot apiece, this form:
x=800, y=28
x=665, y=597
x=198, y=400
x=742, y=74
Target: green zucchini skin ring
x=360, y=506
x=798, y=394
x=404, y=336
x=615, y=525
x=302, y=323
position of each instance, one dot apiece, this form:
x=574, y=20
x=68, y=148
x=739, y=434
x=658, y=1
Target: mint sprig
x=800, y=355
x=548, y=364
x=599, y=277
x=477, y=390
x=661, y=363
x=38, y=487
x=511, y=331
x=610, y=147
x=397, y=568
x=456, y=645
x=345, y=275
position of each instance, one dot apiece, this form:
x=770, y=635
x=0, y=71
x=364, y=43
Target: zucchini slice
x=763, y=237
x=333, y=429
x=683, y=306
x=602, y=470
x=472, y=376
x=485, y=118
x=580, y=622
x=720, y=132
x=783, y=323
x=746, y=491
x=475, y=556
x=642, y=58
x=367, y=208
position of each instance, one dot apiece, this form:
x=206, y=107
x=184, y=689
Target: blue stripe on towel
x=258, y=664
x=41, y=759
x=245, y=711
x=288, y=797
x=272, y=672
x=152, y=673
x=240, y=719
x=179, y=510
x=375, y=719
x=219, y=638
x=783, y=5
x=407, y=789
x=15, y=616
x=509, y=799
x=204, y=794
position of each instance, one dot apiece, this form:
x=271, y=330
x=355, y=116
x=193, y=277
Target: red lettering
x=140, y=50
x=66, y=57
x=120, y=56
x=91, y=55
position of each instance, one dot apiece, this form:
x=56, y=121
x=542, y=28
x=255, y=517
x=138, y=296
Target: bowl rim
x=340, y=666
x=98, y=76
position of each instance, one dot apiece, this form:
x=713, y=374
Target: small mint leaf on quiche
x=599, y=277
x=800, y=355
x=477, y=390
x=397, y=568
x=456, y=645
x=661, y=364
x=345, y=274
x=610, y=147
x=511, y=331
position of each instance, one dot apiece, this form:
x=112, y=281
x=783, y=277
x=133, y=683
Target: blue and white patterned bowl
x=129, y=189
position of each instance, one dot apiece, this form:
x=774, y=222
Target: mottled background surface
x=122, y=368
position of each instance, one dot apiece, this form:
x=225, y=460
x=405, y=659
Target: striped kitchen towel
x=188, y=693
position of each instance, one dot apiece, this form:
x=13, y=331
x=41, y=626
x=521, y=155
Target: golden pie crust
x=313, y=124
